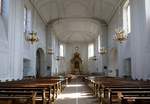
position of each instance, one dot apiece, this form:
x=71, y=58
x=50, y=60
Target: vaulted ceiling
x=76, y=20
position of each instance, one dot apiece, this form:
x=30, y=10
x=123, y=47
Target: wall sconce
x=58, y=58
x=50, y=51
x=94, y=58
x=103, y=51
x=120, y=36
x=32, y=37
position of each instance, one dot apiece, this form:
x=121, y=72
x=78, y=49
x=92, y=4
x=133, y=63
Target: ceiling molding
x=37, y=11
x=102, y=22
x=120, y=3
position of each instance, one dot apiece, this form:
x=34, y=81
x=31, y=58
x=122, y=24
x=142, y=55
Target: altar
x=76, y=63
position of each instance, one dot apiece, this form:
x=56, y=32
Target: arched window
x=1, y=2
x=99, y=43
x=127, y=17
x=91, y=50
x=61, y=50
x=27, y=20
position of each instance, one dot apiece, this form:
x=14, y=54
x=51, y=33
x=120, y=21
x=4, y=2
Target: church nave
x=75, y=51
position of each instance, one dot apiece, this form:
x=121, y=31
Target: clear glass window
x=127, y=17
x=91, y=50
x=61, y=50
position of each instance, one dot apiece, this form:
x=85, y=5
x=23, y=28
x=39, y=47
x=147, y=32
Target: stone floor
x=76, y=93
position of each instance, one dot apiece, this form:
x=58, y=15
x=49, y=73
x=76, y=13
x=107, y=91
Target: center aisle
x=76, y=93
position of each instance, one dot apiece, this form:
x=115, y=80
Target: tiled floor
x=76, y=93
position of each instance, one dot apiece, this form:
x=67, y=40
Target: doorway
x=127, y=66
x=39, y=62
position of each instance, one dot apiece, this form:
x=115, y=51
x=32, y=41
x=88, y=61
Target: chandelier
x=103, y=50
x=32, y=37
x=120, y=36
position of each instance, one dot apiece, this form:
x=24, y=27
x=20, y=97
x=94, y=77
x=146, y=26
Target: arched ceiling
x=76, y=30
x=76, y=20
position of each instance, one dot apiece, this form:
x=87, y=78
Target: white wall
x=14, y=47
x=4, y=44
x=53, y=43
x=11, y=23
x=140, y=35
x=136, y=47
x=117, y=52
x=96, y=66
x=29, y=50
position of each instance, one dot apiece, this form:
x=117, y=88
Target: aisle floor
x=76, y=93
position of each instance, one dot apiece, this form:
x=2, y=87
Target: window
x=61, y=50
x=127, y=17
x=27, y=20
x=91, y=50
x=1, y=6
x=99, y=43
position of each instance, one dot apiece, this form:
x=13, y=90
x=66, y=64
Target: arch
x=39, y=62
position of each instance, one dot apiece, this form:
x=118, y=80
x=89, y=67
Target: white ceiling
x=76, y=20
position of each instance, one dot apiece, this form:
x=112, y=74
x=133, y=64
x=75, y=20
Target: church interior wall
x=18, y=56
x=30, y=49
x=136, y=46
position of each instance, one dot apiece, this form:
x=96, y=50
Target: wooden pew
x=34, y=89
x=107, y=87
x=42, y=89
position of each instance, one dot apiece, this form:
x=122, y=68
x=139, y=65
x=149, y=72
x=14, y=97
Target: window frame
x=127, y=17
x=25, y=19
x=99, y=43
x=91, y=50
x=1, y=7
x=61, y=50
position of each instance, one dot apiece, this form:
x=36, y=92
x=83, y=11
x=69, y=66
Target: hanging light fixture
x=94, y=58
x=103, y=51
x=120, y=36
x=50, y=51
x=58, y=58
x=32, y=37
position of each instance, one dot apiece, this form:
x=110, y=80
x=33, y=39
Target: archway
x=127, y=68
x=39, y=62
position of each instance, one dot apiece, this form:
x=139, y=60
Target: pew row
x=44, y=89
x=111, y=90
